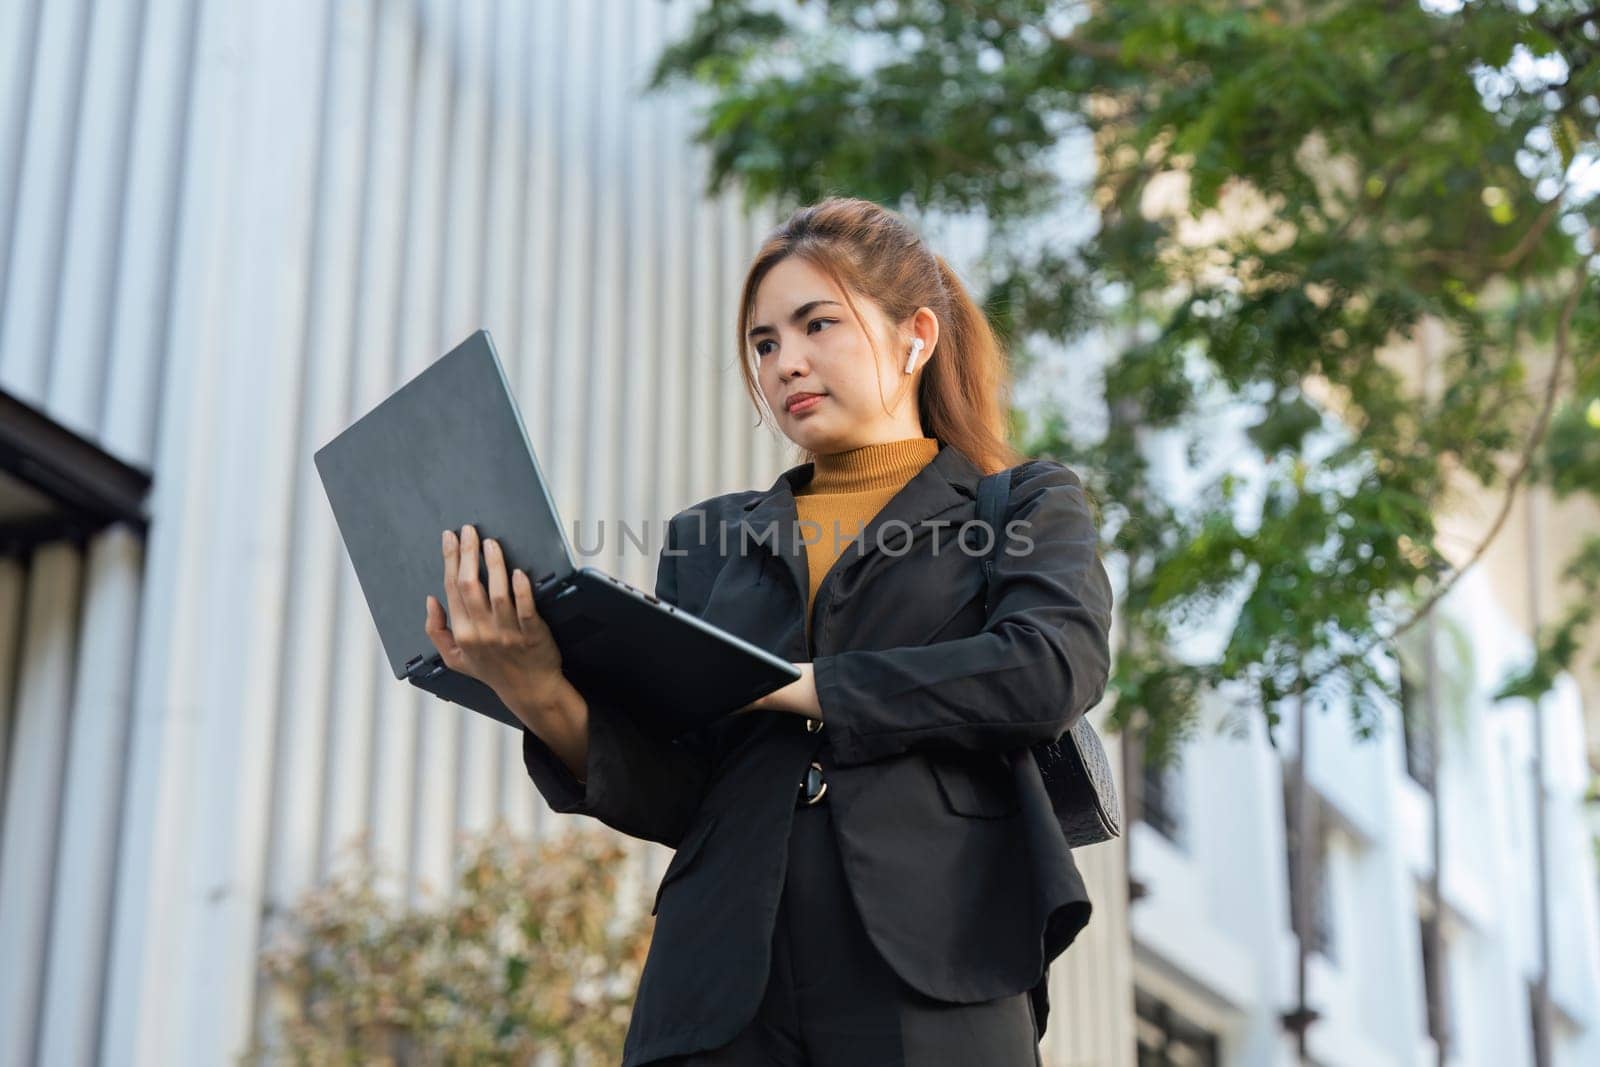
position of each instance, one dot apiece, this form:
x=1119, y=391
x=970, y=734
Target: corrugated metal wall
x=225, y=230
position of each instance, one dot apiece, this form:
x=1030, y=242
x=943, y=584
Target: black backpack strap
x=994, y=493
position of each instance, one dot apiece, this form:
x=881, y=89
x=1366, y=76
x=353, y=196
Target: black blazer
x=964, y=880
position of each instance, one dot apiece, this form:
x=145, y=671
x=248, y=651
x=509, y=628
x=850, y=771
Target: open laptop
x=448, y=448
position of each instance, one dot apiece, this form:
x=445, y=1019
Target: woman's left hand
x=799, y=697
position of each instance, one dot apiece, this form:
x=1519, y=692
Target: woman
x=868, y=870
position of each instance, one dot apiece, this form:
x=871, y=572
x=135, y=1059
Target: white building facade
x=1215, y=956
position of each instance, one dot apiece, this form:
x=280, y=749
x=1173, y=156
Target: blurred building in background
x=228, y=229
x=1216, y=954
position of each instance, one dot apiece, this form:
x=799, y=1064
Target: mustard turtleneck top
x=845, y=491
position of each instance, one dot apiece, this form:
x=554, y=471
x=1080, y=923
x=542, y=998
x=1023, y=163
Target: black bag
x=1074, y=767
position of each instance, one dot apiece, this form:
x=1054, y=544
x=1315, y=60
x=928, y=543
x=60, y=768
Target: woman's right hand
x=493, y=635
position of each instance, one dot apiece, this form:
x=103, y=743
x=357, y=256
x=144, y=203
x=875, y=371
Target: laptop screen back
x=445, y=449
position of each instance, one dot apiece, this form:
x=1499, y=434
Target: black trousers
x=831, y=999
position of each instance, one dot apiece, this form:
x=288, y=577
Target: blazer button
x=812, y=787
x=813, y=725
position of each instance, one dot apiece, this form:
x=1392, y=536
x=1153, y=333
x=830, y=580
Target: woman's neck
x=871, y=467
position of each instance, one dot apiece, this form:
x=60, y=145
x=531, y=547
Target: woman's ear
x=925, y=325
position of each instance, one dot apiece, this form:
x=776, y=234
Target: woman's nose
x=790, y=363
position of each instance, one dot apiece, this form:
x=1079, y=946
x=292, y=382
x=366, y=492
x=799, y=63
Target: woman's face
x=825, y=353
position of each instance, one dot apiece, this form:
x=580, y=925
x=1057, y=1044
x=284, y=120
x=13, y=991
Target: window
x=1436, y=967
x=1155, y=793
x=1435, y=973
x=1315, y=860
x=1167, y=1039
x=1159, y=792
x=1537, y=1032
x=1418, y=733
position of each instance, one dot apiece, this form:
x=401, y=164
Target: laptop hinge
x=423, y=666
x=549, y=583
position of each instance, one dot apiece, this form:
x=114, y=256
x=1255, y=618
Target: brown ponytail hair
x=868, y=250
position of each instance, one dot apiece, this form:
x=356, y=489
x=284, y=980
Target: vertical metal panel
x=19, y=27
x=29, y=304
x=384, y=328
x=504, y=205
x=30, y=836
x=673, y=282
x=137, y=346
x=152, y=896
x=602, y=433
x=91, y=796
x=543, y=236
x=429, y=799
x=473, y=773
x=75, y=353
x=641, y=341
x=514, y=130
x=245, y=559
x=733, y=407
x=306, y=796
x=700, y=373
x=571, y=313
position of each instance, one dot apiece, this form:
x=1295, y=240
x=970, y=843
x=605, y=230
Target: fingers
x=505, y=607
x=460, y=622
x=527, y=615
x=439, y=633
x=501, y=607
x=468, y=587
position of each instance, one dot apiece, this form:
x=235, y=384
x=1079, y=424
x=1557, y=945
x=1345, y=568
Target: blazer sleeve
x=1040, y=662
x=632, y=782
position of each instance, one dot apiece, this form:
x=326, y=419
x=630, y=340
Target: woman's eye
x=761, y=347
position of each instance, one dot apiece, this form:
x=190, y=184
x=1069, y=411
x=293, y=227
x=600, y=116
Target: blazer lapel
x=772, y=519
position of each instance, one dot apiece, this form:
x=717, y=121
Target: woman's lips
x=805, y=403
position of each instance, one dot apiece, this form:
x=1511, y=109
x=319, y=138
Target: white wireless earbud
x=916, y=350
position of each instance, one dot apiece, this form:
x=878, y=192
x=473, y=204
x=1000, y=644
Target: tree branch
x=1512, y=256
x=1525, y=462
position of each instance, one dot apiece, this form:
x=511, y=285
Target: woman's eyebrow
x=798, y=314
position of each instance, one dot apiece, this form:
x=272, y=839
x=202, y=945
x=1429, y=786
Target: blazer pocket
x=687, y=849
x=978, y=785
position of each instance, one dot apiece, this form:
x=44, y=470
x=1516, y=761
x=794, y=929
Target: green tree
x=1388, y=167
